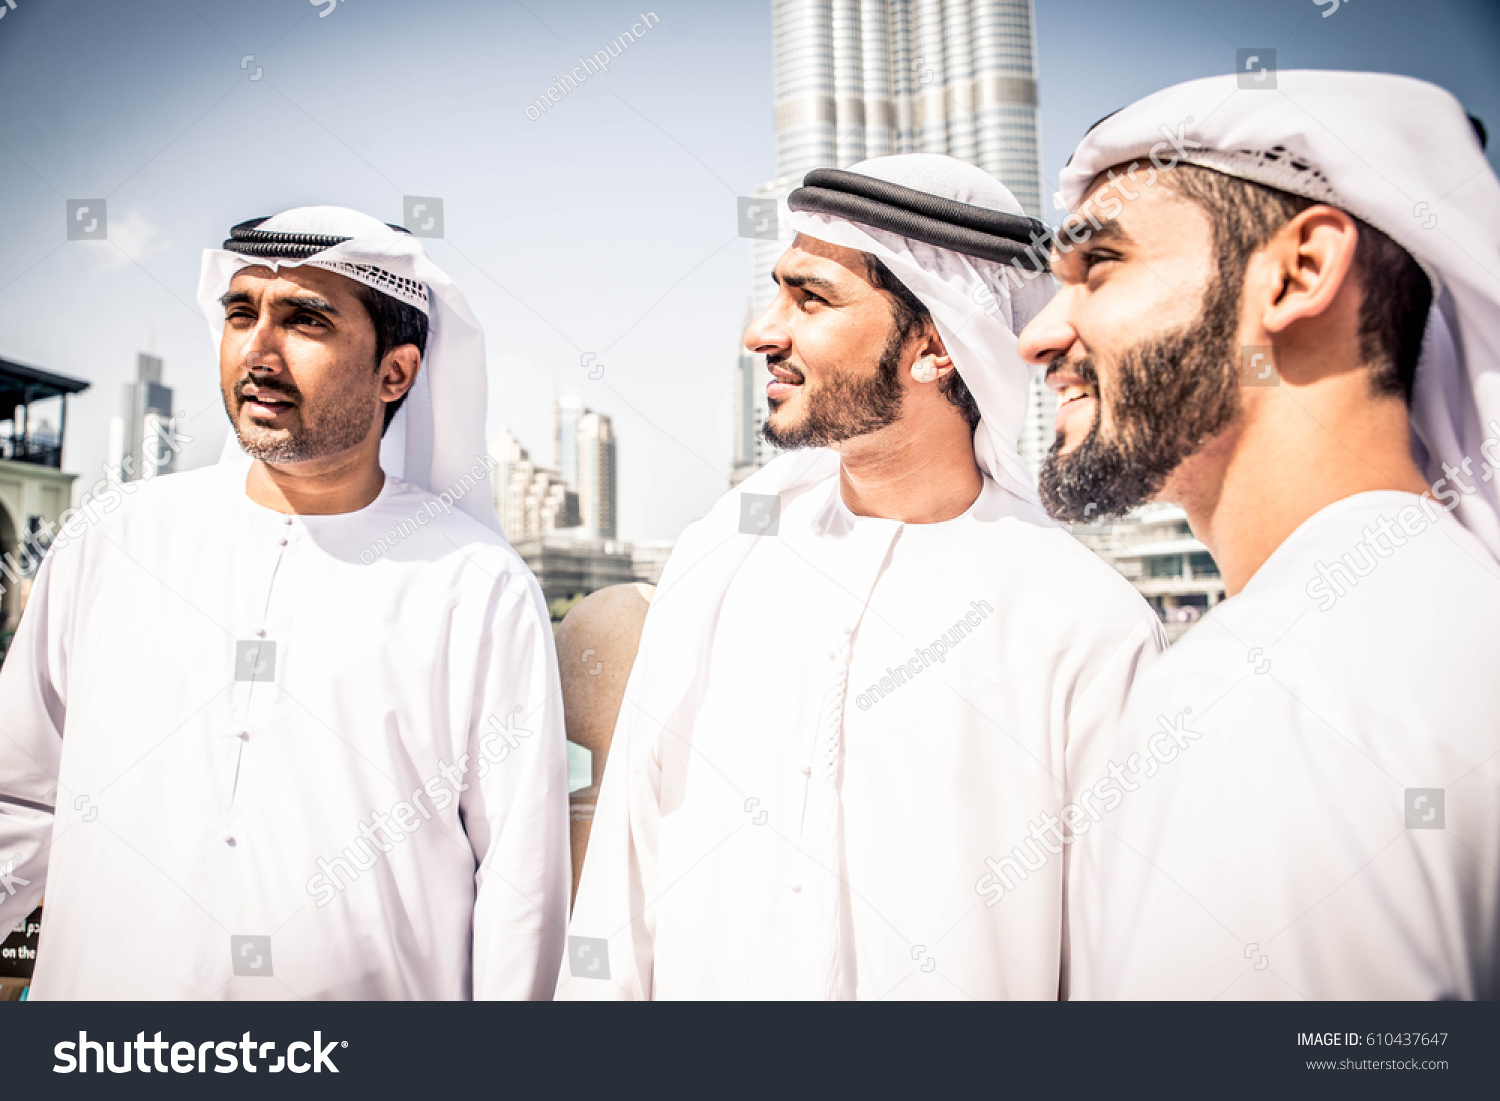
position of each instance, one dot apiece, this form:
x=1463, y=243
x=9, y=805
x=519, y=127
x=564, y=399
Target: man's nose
x=261, y=351
x=1050, y=333
x=767, y=334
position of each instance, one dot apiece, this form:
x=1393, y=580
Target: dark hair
x=396, y=324
x=1395, y=292
x=912, y=317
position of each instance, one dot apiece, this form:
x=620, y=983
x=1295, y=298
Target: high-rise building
x=596, y=474
x=867, y=78
x=531, y=499
x=143, y=432
x=569, y=410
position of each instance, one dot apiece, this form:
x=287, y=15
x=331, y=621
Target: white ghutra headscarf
x=1402, y=155
x=437, y=436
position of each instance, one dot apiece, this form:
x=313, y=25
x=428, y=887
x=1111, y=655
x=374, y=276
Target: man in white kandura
x=293, y=721
x=865, y=674
x=1293, y=333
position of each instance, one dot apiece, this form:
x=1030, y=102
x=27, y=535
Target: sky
x=600, y=234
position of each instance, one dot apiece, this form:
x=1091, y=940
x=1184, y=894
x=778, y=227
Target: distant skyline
x=597, y=243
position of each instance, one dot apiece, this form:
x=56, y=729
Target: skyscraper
x=867, y=78
x=569, y=409
x=596, y=474
x=143, y=431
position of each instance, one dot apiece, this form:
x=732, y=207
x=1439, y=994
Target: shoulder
x=1029, y=553
x=414, y=524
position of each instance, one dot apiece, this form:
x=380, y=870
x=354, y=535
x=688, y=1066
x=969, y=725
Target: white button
x=229, y=840
x=289, y=521
x=243, y=735
x=833, y=655
x=261, y=633
x=796, y=888
x=283, y=542
x=806, y=770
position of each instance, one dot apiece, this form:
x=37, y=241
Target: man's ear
x=399, y=370
x=932, y=345
x=1300, y=271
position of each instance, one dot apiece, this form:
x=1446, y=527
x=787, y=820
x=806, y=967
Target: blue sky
x=604, y=229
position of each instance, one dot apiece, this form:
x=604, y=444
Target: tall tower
x=569, y=409
x=143, y=431
x=596, y=474
x=867, y=78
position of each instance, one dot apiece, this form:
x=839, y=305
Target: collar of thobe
x=1402, y=155
x=437, y=438
x=915, y=212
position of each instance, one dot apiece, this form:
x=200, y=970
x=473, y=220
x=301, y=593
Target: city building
x=1154, y=549
x=573, y=562
x=565, y=436
x=34, y=490
x=531, y=499
x=867, y=78
x=143, y=431
x=596, y=474
x=650, y=558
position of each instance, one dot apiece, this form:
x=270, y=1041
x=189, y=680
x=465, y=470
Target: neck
x=919, y=477
x=1294, y=451
x=320, y=487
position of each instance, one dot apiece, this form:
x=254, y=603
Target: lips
x=1077, y=401
x=784, y=380
x=263, y=402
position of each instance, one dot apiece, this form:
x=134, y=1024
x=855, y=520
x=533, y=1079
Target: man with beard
x=289, y=726
x=1265, y=334
x=865, y=675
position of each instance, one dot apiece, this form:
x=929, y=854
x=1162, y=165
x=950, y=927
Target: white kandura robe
x=708, y=860
x=1268, y=854
x=192, y=806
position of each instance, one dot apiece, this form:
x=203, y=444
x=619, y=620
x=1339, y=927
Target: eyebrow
x=296, y=302
x=804, y=282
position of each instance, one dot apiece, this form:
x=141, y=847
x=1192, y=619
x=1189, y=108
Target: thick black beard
x=845, y=407
x=1168, y=396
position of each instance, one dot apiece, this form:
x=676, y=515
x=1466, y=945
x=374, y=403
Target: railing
x=42, y=450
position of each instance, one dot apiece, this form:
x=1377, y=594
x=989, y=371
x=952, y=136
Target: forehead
x=810, y=256
x=1145, y=205
x=304, y=279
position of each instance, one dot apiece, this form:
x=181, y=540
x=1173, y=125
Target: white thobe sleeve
x=33, y=703
x=612, y=935
x=1095, y=705
x=516, y=812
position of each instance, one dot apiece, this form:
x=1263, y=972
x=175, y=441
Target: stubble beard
x=844, y=406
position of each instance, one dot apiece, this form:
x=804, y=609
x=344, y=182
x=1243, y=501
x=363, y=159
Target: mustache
x=1083, y=368
x=286, y=389
x=781, y=361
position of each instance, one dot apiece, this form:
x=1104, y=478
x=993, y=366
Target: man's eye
x=309, y=319
x=1094, y=257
